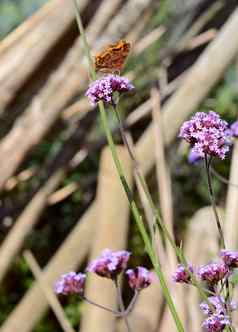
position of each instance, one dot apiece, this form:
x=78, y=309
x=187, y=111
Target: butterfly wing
x=113, y=57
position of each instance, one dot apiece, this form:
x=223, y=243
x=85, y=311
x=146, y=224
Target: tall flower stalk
x=209, y=137
x=135, y=211
x=212, y=199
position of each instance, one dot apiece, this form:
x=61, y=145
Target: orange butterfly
x=112, y=58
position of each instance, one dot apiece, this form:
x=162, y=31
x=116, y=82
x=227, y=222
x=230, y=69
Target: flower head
x=213, y=272
x=207, y=134
x=216, y=323
x=182, y=274
x=139, y=278
x=230, y=258
x=110, y=263
x=218, y=304
x=70, y=283
x=234, y=129
x=104, y=88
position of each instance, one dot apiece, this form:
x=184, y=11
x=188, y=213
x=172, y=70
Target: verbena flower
x=104, y=88
x=219, y=305
x=207, y=134
x=70, y=283
x=110, y=263
x=193, y=157
x=216, y=323
x=182, y=275
x=230, y=258
x=139, y=278
x=234, y=129
x=213, y=272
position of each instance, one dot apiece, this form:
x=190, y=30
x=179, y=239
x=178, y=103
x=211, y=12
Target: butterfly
x=112, y=58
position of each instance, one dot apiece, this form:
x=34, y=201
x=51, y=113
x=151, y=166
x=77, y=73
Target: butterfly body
x=113, y=57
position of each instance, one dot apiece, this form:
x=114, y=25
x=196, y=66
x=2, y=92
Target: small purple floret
x=219, y=305
x=230, y=258
x=207, y=134
x=139, y=278
x=182, y=275
x=71, y=283
x=104, y=88
x=213, y=272
x=110, y=263
x=234, y=129
x=216, y=323
x=193, y=157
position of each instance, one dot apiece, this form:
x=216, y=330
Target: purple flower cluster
x=104, y=88
x=218, y=317
x=230, y=258
x=207, y=134
x=71, y=283
x=110, y=263
x=213, y=272
x=182, y=274
x=139, y=278
x=218, y=308
x=216, y=323
x=234, y=129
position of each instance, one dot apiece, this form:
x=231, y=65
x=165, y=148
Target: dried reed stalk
x=166, y=204
x=112, y=231
x=61, y=86
x=69, y=256
x=55, y=19
x=42, y=17
x=204, y=74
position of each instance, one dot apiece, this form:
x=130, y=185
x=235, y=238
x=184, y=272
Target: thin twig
x=212, y=198
x=121, y=304
x=116, y=313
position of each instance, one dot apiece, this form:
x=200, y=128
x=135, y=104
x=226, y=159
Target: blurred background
x=55, y=168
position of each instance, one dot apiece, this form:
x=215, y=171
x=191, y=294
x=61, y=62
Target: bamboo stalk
x=48, y=292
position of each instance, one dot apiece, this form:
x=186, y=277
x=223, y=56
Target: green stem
x=134, y=209
x=139, y=221
x=116, y=313
x=141, y=178
x=85, y=42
